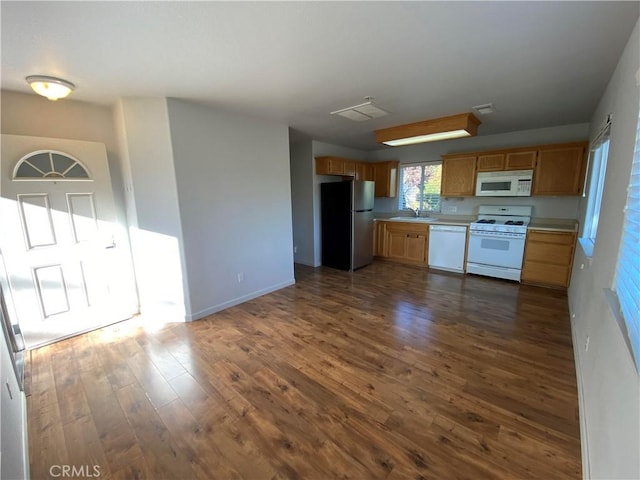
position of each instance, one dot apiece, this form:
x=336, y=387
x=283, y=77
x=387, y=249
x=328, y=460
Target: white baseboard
x=584, y=438
x=308, y=263
x=237, y=301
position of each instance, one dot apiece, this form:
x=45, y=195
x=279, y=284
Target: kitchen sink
x=413, y=219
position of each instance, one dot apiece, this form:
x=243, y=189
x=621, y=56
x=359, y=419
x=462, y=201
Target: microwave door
x=495, y=188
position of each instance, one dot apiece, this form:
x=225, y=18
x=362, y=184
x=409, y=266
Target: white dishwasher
x=447, y=246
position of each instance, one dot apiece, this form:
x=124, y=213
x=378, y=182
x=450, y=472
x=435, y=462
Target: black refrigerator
x=347, y=224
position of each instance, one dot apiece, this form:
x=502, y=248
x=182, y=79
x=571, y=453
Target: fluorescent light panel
x=432, y=137
x=444, y=128
x=361, y=113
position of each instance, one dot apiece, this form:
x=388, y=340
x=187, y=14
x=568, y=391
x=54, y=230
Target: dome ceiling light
x=51, y=87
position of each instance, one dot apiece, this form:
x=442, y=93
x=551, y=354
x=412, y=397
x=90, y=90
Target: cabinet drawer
x=545, y=274
x=546, y=253
x=558, y=238
x=416, y=228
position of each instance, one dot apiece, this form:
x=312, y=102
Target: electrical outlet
x=451, y=209
x=586, y=344
x=295, y=249
x=240, y=277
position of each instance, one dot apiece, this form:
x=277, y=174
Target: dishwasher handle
x=448, y=228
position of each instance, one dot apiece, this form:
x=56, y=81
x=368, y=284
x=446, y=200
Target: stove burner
x=484, y=220
x=511, y=222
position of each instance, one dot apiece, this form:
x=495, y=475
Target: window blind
x=627, y=277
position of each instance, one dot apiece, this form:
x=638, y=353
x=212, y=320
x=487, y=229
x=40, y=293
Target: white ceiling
x=540, y=63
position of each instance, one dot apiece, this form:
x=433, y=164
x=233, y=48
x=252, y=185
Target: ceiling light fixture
x=51, y=87
x=444, y=128
x=362, y=112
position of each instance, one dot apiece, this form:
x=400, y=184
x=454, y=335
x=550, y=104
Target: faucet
x=416, y=211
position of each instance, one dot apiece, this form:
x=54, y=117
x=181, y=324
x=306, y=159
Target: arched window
x=49, y=165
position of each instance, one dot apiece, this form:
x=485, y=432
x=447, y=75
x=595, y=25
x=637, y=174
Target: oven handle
x=505, y=235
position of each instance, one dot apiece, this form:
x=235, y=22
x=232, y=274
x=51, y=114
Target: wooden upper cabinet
x=506, y=160
x=364, y=171
x=329, y=166
x=344, y=167
x=520, y=160
x=560, y=169
x=490, y=163
x=385, y=174
x=458, y=175
x=349, y=167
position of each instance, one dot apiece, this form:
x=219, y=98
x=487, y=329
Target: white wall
x=152, y=207
x=548, y=207
x=302, y=175
x=610, y=385
x=234, y=196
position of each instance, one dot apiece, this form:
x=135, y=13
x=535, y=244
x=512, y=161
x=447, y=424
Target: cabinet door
x=364, y=171
x=385, y=174
x=329, y=166
x=348, y=167
x=490, y=163
x=458, y=176
x=520, y=160
x=416, y=248
x=559, y=171
x=396, y=244
x=379, y=239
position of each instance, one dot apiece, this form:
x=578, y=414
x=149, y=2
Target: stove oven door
x=496, y=249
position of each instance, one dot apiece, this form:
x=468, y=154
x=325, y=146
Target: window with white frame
x=420, y=186
x=626, y=284
x=598, y=155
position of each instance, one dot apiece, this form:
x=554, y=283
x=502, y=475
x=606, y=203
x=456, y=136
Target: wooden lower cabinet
x=548, y=258
x=379, y=233
x=402, y=242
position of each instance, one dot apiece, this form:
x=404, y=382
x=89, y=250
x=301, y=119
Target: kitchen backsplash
x=545, y=207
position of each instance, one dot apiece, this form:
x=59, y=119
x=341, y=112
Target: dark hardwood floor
x=391, y=372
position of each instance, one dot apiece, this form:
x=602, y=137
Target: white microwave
x=516, y=183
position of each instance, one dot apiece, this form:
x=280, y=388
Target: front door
x=63, y=251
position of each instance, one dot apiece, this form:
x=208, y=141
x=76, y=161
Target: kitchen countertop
x=441, y=220
x=551, y=224
x=554, y=224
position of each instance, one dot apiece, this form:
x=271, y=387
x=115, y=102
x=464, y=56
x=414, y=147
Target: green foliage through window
x=420, y=186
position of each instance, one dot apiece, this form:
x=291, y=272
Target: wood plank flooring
x=390, y=372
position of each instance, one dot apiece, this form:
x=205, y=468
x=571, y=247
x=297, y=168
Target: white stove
x=496, y=241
